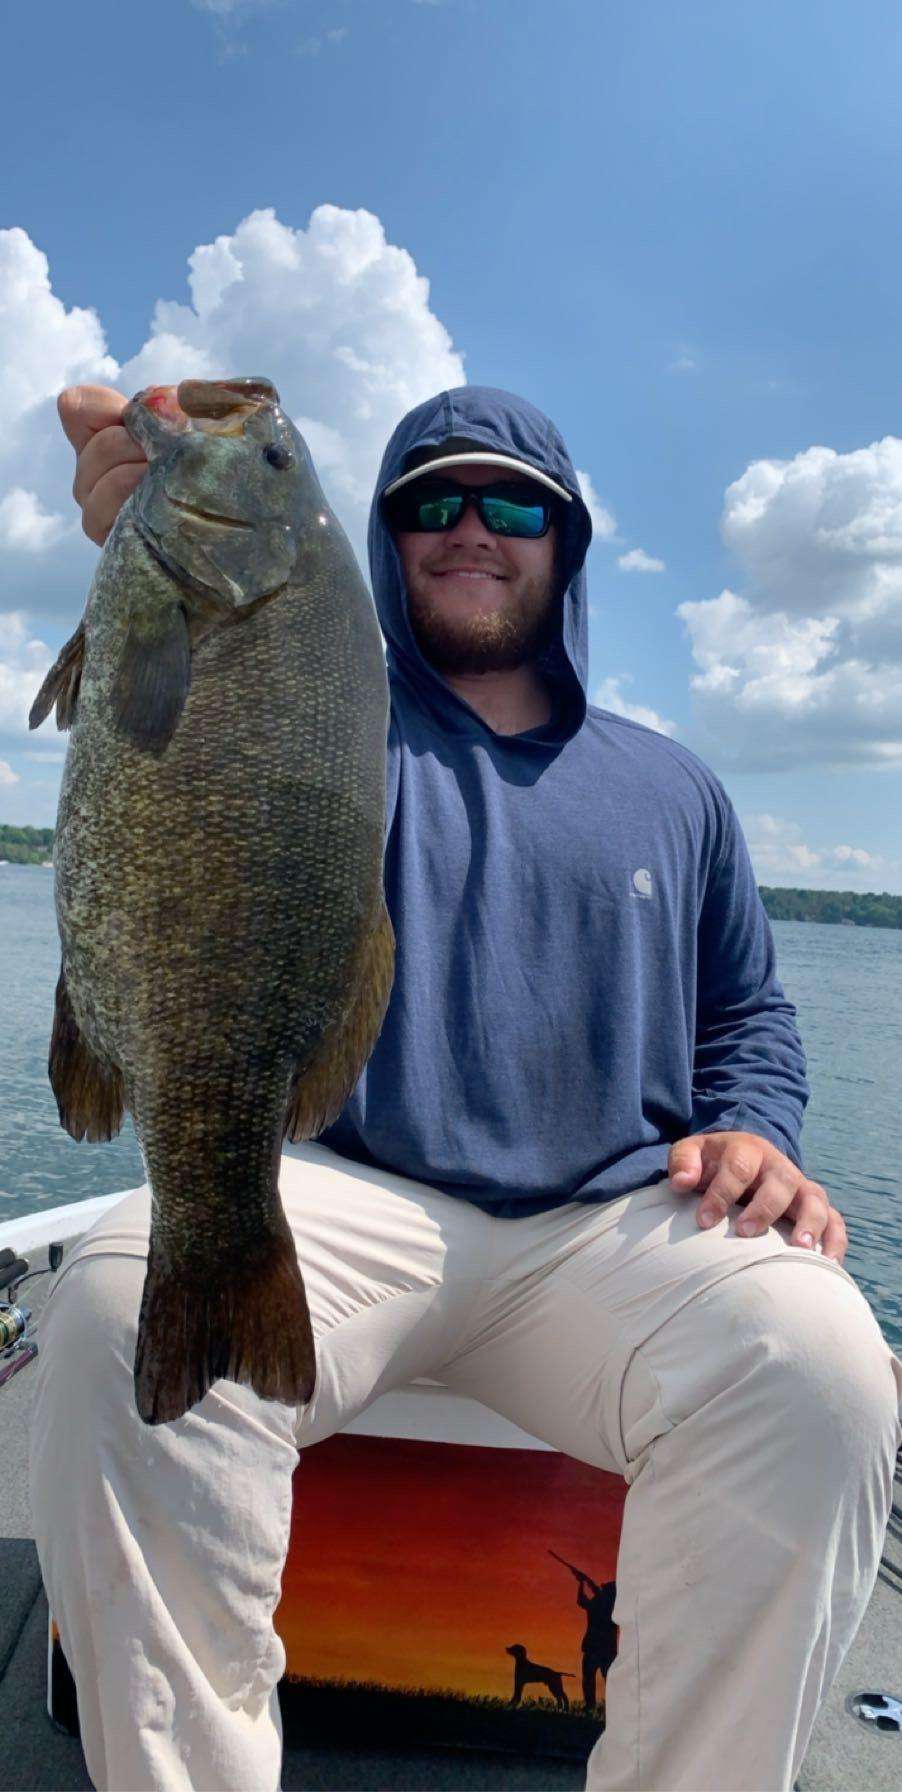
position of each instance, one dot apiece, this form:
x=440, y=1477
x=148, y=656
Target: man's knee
x=830, y=1368
x=793, y=1347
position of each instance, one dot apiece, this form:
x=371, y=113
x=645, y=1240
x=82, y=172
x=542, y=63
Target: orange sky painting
x=415, y=1563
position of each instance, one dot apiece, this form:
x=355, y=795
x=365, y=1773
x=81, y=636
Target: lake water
x=846, y=983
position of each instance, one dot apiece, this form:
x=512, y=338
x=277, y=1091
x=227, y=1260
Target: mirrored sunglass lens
x=439, y=513
x=506, y=517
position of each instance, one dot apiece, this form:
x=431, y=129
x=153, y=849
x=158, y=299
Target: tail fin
x=251, y=1326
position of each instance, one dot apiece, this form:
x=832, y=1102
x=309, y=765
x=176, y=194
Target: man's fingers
x=107, y=498
x=835, y=1238
x=777, y=1191
x=810, y=1213
x=109, y=464
x=739, y=1167
x=83, y=410
x=685, y=1165
x=109, y=448
x=735, y=1173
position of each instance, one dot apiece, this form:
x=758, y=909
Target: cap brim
x=478, y=459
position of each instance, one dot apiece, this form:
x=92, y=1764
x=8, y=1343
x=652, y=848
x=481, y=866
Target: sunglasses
x=508, y=507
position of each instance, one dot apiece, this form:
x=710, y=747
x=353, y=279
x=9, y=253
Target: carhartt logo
x=641, y=883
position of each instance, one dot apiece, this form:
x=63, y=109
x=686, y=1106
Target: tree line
x=863, y=908
x=25, y=846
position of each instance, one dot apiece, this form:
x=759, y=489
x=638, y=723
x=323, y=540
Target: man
x=586, y=1026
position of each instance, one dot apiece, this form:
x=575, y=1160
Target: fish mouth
x=209, y=516
x=214, y=399
x=223, y=407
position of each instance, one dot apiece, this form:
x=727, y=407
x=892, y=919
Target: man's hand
x=109, y=464
x=733, y=1166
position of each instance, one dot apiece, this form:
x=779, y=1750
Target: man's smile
x=467, y=572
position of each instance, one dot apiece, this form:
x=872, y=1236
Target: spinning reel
x=18, y=1344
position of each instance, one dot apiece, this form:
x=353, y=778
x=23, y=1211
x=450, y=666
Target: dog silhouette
x=526, y=1670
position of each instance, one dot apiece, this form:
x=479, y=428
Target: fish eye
x=278, y=456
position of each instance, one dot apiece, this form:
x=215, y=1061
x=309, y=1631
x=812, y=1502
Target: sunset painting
x=419, y=1566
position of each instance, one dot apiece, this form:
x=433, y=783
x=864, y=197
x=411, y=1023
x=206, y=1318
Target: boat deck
x=845, y=1754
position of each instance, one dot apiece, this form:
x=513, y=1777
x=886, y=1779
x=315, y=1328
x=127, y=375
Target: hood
x=504, y=424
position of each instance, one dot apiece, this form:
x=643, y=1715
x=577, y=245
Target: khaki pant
x=741, y=1386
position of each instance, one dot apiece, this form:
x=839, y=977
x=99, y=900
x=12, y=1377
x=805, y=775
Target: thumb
x=85, y=410
x=684, y=1163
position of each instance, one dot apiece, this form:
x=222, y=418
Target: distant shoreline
x=25, y=846
x=850, y=908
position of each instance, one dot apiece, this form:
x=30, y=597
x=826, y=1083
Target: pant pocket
x=641, y=1418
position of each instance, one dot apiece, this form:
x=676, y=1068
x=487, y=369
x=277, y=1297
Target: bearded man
x=586, y=1029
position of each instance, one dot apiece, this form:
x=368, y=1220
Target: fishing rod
x=18, y=1341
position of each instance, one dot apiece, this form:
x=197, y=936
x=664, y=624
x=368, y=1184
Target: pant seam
x=639, y=1588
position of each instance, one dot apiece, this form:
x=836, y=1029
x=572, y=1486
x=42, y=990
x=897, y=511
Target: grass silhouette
x=443, y=1717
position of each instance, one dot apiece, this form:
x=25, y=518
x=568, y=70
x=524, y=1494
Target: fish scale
x=226, y=952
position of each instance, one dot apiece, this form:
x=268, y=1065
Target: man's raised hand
x=108, y=463
x=725, y=1167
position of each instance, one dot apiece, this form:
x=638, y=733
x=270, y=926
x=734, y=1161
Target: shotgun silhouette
x=577, y=1571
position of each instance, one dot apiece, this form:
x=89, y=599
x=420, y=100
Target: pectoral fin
x=89, y=1093
x=153, y=679
x=62, y=683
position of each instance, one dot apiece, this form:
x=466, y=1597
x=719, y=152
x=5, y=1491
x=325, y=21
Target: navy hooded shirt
x=585, y=971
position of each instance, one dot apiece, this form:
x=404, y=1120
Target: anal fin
x=89, y=1093
x=323, y=1083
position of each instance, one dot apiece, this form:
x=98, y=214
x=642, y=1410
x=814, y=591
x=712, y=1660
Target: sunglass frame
x=401, y=507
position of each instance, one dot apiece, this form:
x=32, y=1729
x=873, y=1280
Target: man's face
x=479, y=602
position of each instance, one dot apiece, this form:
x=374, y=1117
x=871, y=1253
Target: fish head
x=230, y=489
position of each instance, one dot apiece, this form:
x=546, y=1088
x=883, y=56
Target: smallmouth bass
x=227, y=956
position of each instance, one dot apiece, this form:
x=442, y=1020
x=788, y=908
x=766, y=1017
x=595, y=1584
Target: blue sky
x=675, y=228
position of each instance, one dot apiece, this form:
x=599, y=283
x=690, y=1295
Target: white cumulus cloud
x=822, y=531
x=609, y=696
x=335, y=314
x=7, y=775
x=806, y=662
x=604, y=522
x=43, y=347
x=25, y=525
x=780, y=854
x=854, y=855
x=636, y=560
x=23, y=663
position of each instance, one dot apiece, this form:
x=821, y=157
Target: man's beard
x=493, y=641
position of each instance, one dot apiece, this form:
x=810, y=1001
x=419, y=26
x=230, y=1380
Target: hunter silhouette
x=599, y=1644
